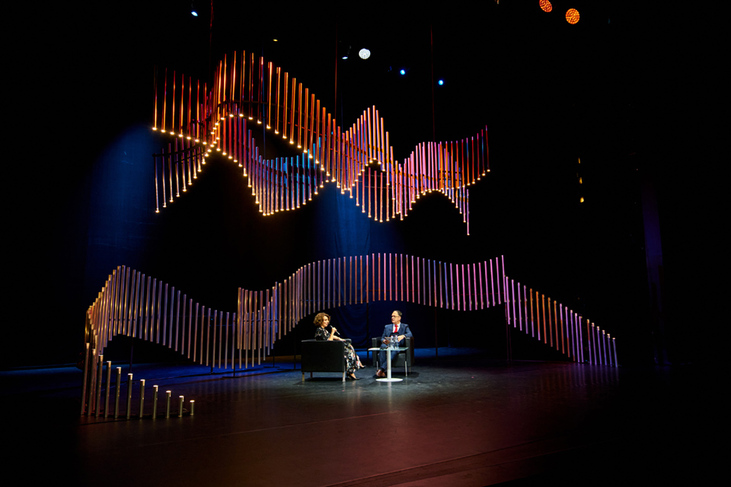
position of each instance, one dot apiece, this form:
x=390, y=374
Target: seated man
x=397, y=330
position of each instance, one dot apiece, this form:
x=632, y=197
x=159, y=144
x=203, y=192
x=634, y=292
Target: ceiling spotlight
x=402, y=71
x=364, y=53
x=441, y=82
x=193, y=10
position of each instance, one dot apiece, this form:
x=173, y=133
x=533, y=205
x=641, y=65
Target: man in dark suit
x=397, y=331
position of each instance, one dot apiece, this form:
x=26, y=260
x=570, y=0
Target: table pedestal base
x=388, y=377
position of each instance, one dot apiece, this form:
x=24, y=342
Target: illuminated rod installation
x=134, y=305
x=247, y=94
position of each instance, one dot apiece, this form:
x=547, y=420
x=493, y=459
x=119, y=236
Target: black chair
x=323, y=356
x=405, y=357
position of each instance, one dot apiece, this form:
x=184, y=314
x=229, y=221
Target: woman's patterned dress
x=350, y=357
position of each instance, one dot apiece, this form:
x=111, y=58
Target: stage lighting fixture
x=572, y=16
x=402, y=71
x=364, y=53
x=545, y=5
x=441, y=82
x=193, y=10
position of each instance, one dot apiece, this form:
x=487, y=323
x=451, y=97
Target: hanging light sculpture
x=219, y=119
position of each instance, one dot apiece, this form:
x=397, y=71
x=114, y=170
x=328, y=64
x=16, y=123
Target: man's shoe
x=381, y=373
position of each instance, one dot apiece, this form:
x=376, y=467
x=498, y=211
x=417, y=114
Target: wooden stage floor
x=458, y=419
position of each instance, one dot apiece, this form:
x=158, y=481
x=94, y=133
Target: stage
x=459, y=418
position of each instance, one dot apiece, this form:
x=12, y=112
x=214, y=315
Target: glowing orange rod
x=389, y=206
x=291, y=113
x=307, y=122
x=242, y=84
x=182, y=104
x=372, y=148
x=164, y=100
x=154, y=90
x=172, y=109
x=220, y=91
x=356, y=156
x=379, y=136
x=311, y=126
x=388, y=157
x=319, y=139
x=252, y=63
x=315, y=143
x=232, y=90
x=284, y=109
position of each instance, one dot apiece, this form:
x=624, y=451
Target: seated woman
x=326, y=332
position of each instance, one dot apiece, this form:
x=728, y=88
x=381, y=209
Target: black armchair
x=323, y=356
x=405, y=357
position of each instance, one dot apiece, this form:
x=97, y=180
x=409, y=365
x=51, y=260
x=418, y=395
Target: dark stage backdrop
x=86, y=202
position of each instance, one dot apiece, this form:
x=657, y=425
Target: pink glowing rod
x=270, y=67
x=524, y=307
x=311, y=122
x=305, y=119
x=154, y=91
x=543, y=308
x=260, y=92
x=561, y=325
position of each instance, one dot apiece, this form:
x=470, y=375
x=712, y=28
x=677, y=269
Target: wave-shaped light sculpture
x=139, y=306
x=246, y=94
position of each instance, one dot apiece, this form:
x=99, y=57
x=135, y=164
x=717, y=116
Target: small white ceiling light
x=364, y=53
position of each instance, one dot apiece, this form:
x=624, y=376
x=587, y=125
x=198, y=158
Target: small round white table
x=388, y=377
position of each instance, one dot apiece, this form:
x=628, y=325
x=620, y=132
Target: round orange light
x=572, y=16
x=545, y=5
